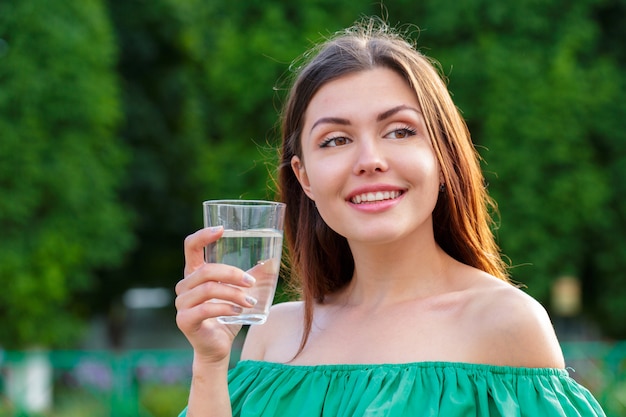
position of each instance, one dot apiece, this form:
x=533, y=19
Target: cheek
x=324, y=177
x=422, y=166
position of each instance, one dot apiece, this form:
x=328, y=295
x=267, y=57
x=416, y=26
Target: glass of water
x=253, y=242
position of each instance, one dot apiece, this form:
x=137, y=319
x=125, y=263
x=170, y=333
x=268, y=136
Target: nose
x=370, y=158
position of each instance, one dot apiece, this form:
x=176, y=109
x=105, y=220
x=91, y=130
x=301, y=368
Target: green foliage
x=194, y=87
x=60, y=164
x=163, y=400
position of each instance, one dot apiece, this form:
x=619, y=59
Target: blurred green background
x=119, y=117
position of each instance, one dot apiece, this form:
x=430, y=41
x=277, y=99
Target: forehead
x=374, y=90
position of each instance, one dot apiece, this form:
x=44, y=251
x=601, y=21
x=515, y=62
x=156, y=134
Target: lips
x=374, y=197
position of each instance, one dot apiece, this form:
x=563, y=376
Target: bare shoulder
x=514, y=328
x=278, y=337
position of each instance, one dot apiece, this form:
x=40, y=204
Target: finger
x=190, y=320
x=211, y=291
x=215, y=272
x=194, y=246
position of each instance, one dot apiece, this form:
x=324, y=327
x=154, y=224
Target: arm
x=196, y=317
x=209, y=395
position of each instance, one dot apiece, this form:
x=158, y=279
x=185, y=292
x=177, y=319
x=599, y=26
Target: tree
x=540, y=84
x=61, y=165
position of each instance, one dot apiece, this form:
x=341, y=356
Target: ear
x=298, y=169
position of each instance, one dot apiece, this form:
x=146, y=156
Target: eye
x=334, y=142
x=402, y=133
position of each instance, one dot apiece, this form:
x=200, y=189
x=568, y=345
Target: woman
x=406, y=305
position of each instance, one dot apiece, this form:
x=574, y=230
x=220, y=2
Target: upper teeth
x=377, y=196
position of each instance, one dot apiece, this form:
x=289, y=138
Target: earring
x=442, y=187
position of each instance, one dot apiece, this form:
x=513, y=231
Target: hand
x=196, y=315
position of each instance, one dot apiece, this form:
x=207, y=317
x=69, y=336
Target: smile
x=375, y=197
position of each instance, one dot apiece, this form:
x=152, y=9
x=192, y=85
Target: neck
x=391, y=273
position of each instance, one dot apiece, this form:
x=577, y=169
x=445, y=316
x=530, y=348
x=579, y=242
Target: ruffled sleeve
x=417, y=389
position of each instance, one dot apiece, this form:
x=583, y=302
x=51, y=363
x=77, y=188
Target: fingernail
x=237, y=309
x=251, y=300
x=214, y=229
x=248, y=279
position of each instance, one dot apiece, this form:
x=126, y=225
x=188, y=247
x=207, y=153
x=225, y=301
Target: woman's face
x=367, y=160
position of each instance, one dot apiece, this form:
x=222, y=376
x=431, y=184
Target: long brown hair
x=321, y=259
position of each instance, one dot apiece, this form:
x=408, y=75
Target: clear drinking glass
x=253, y=242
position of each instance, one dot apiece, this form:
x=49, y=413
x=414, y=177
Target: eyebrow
x=331, y=120
x=387, y=114
x=382, y=116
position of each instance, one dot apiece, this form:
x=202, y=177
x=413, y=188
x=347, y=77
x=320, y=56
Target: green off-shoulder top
x=405, y=390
